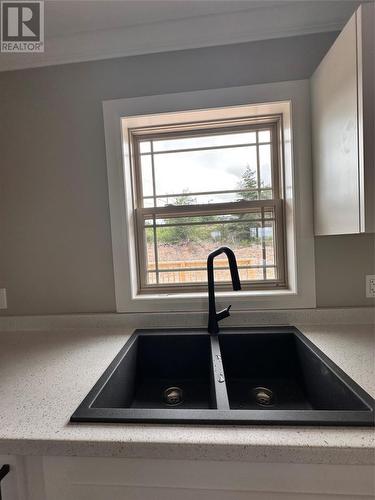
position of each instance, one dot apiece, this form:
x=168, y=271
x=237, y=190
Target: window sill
x=245, y=300
x=223, y=294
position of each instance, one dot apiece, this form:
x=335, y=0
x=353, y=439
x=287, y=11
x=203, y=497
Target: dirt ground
x=189, y=252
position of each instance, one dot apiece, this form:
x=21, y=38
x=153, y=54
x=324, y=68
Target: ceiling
x=67, y=16
x=83, y=30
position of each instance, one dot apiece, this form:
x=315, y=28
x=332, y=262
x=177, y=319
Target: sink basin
x=243, y=376
x=297, y=378
x=155, y=363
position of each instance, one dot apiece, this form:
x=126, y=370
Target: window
x=190, y=171
x=202, y=185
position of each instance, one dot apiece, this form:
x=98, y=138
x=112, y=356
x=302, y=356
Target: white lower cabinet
x=68, y=478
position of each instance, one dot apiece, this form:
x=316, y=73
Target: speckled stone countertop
x=45, y=375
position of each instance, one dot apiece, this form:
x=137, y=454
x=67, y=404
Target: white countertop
x=44, y=375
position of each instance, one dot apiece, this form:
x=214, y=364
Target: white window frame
x=272, y=123
x=287, y=99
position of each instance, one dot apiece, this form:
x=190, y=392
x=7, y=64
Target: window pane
x=148, y=202
x=144, y=147
x=150, y=253
x=266, y=194
x=264, y=136
x=270, y=253
x=269, y=239
x=271, y=274
x=151, y=278
x=146, y=171
x=181, y=220
x=206, y=171
x=205, y=141
x=200, y=276
x=203, y=199
x=265, y=165
x=183, y=244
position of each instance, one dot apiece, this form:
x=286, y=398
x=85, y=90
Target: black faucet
x=213, y=316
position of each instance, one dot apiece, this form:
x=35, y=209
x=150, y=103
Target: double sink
x=239, y=376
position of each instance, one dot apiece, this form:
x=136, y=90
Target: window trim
x=289, y=99
x=211, y=127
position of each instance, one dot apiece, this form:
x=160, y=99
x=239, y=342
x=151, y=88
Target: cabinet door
x=335, y=137
x=143, y=479
x=366, y=113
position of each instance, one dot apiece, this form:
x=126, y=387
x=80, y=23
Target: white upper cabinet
x=342, y=98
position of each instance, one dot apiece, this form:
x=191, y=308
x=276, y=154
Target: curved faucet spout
x=213, y=317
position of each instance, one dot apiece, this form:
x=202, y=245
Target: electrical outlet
x=370, y=286
x=3, y=298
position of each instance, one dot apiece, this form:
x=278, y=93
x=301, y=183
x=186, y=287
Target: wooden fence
x=183, y=272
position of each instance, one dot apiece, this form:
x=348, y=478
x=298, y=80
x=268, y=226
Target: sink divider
x=218, y=375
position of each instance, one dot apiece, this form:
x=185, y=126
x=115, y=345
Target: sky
x=207, y=170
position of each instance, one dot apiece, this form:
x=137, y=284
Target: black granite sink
x=254, y=376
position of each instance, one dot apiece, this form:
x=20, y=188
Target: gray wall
x=55, y=252
x=342, y=263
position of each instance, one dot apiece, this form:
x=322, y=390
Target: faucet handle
x=224, y=313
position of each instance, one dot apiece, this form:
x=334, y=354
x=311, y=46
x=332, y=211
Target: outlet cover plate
x=370, y=286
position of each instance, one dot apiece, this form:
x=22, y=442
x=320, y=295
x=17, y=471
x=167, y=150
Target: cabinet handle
x=3, y=472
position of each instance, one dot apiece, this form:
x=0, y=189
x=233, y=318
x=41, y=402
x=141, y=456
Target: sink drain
x=263, y=396
x=173, y=396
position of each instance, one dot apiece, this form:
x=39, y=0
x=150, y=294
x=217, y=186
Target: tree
x=249, y=182
x=183, y=234
x=240, y=232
